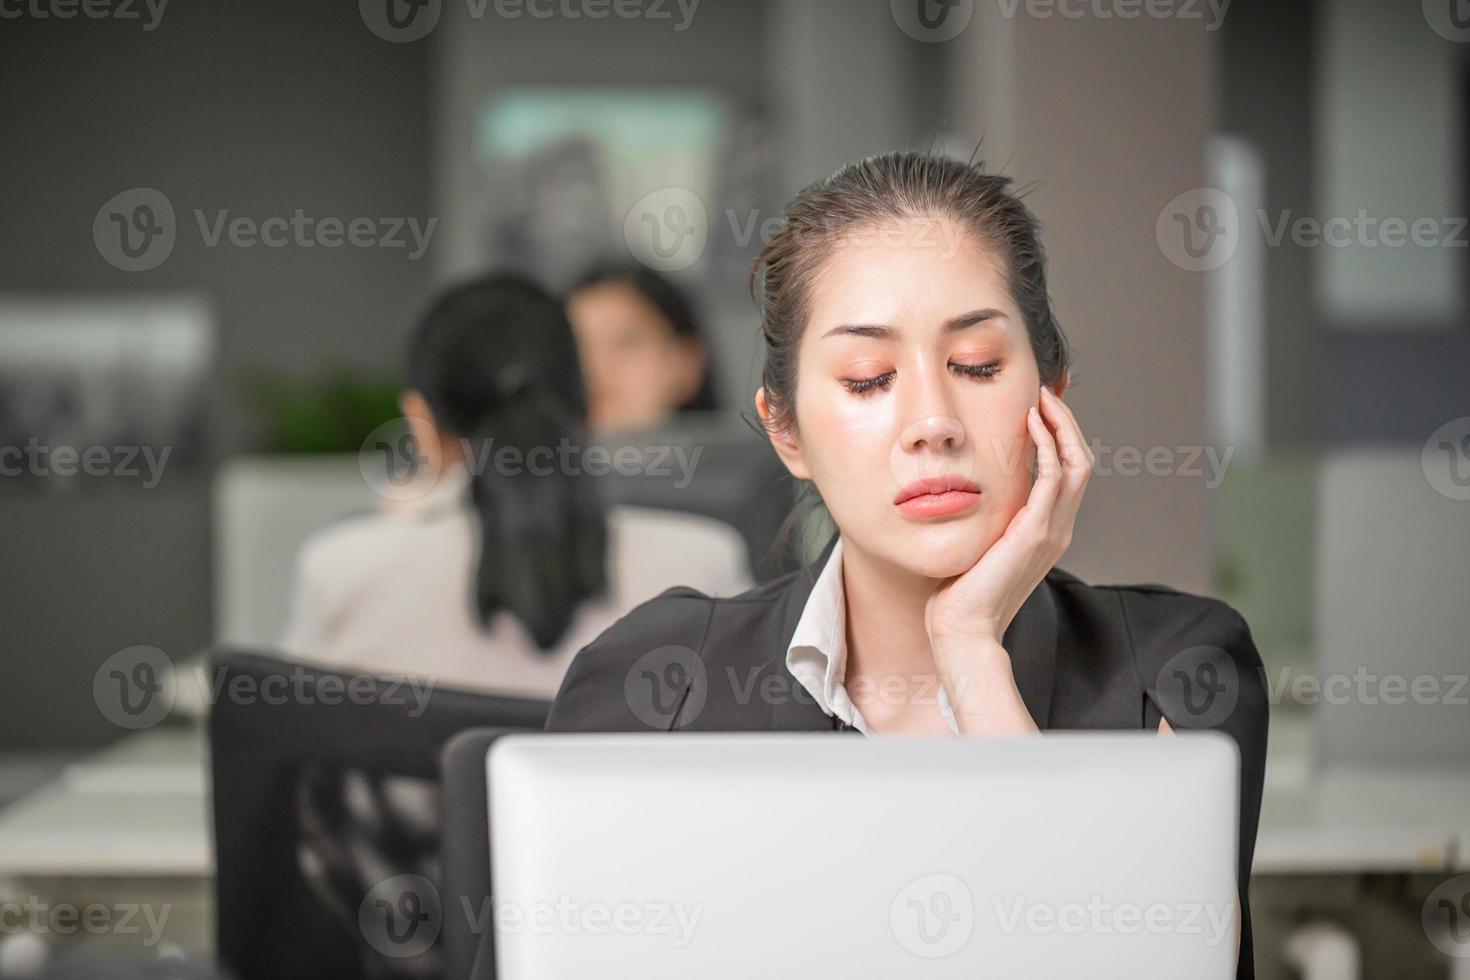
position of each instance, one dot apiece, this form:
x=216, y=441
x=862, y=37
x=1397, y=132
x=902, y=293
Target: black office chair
x=468, y=941
x=737, y=479
x=326, y=817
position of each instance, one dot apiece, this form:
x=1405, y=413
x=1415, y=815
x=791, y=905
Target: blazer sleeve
x=633, y=676
x=1199, y=667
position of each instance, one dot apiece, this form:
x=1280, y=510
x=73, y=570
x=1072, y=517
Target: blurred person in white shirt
x=503, y=564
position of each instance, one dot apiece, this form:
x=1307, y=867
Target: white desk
x=141, y=808
x=1350, y=821
x=129, y=825
x=138, y=808
x=1347, y=822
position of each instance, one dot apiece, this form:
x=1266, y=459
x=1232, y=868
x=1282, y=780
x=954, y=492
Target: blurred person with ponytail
x=497, y=574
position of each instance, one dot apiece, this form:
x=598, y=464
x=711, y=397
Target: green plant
x=330, y=412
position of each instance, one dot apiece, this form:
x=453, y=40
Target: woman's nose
x=937, y=433
x=930, y=416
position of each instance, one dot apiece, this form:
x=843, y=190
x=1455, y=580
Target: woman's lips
x=937, y=496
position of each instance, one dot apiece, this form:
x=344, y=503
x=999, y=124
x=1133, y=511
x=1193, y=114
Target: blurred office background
x=1284, y=413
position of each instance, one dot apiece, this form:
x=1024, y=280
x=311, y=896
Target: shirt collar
x=448, y=491
x=817, y=654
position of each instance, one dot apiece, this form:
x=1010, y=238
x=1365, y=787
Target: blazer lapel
x=794, y=710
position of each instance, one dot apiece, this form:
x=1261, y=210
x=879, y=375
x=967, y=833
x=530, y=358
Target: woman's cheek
x=845, y=441
x=868, y=437
x=1008, y=455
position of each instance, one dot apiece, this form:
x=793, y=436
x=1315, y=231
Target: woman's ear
x=415, y=409
x=414, y=405
x=1060, y=388
x=785, y=444
x=435, y=448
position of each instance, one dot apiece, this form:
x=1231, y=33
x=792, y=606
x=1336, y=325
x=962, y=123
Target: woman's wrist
x=981, y=687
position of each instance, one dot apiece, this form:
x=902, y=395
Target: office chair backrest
x=468, y=946
x=326, y=817
x=711, y=464
x=1393, y=612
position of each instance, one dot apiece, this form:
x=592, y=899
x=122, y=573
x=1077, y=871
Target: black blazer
x=1084, y=657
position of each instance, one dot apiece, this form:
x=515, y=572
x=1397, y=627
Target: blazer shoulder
x=1159, y=619
x=1155, y=613
x=614, y=682
x=1195, y=656
x=660, y=629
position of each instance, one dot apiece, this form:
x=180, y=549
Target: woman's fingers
x=1075, y=453
x=1048, y=469
x=1067, y=411
x=1077, y=463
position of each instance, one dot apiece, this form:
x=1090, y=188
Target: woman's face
x=637, y=369
x=915, y=365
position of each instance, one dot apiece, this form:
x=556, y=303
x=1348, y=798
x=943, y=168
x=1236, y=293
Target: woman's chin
x=939, y=567
x=941, y=552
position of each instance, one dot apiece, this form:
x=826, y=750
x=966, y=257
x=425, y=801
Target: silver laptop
x=763, y=856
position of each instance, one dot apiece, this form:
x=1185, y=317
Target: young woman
x=914, y=374
x=642, y=352
x=496, y=575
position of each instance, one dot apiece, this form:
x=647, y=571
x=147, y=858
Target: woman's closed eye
x=860, y=386
x=987, y=370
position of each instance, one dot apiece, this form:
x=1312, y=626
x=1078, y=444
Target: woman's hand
x=981, y=603
x=968, y=615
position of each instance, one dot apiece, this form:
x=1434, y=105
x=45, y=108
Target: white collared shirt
x=817, y=656
x=390, y=592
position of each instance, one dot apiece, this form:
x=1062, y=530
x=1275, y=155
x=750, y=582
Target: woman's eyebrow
x=877, y=330
x=971, y=319
x=884, y=332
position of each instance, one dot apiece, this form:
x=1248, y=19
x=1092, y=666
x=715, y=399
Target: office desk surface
x=1349, y=821
x=138, y=808
x=141, y=808
x=1352, y=821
